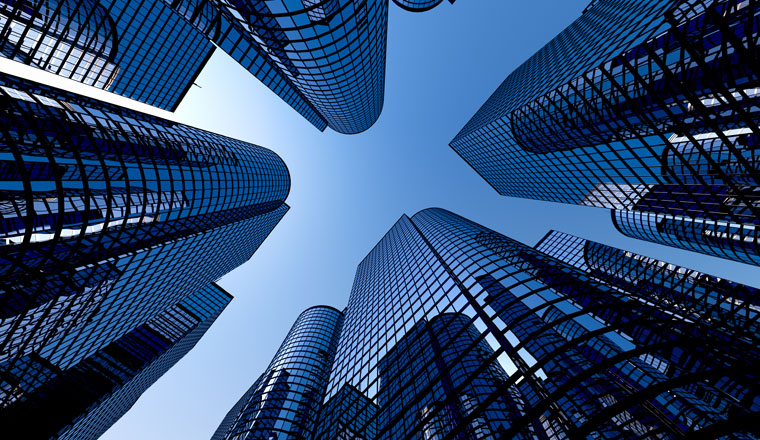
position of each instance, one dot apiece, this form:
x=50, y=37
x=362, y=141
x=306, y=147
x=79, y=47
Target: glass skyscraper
x=109, y=219
x=646, y=107
x=325, y=58
x=455, y=331
x=285, y=400
x=84, y=400
x=419, y=5
x=138, y=49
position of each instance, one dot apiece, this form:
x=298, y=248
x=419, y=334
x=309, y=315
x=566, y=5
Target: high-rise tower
x=139, y=49
x=646, y=107
x=325, y=58
x=285, y=401
x=81, y=402
x=110, y=217
x=454, y=331
x=533, y=347
x=419, y=5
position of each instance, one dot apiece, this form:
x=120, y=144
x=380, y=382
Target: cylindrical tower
x=285, y=401
x=326, y=58
x=418, y=5
x=106, y=211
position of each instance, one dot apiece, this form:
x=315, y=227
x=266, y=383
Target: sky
x=348, y=190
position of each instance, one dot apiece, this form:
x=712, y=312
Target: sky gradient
x=347, y=191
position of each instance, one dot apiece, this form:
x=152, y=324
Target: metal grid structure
x=110, y=217
x=418, y=5
x=284, y=402
x=648, y=107
x=74, y=39
x=454, y=331
x=139, y=49
x=83, y=401
x=326, y=58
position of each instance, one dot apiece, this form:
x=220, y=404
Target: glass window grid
x=330, y=68
x=558, y=341
x=197, y=206
x=553, y=130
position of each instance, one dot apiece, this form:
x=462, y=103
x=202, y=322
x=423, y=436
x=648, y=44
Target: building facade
x=419, y=5
x=285, y=400
x=454, y=331
x=84, y=400
x=325, y=58
x=110, y=217
x=138, y=49
x=645, y=107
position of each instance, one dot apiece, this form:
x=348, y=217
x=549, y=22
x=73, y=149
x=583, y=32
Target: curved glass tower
x=455, y=331
x=418, y=5
x=326, y=58
x=141, y=50
x=285, y=401
x=718, y=238
x=649, y=107
x=109, y=217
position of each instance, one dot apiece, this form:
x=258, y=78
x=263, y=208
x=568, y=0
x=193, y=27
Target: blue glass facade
x=139, y=49
x=454, y=331
x=285, y=401
x=418, y=5
x=721, y=239
x=435, y=375
x=109, y=218
x=644, y=106
x=325, y=58
x=348, y=414
x=84, y=400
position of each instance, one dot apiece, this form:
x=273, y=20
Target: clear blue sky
x=347, y=191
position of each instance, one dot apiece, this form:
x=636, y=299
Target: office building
x=138, y=49
x=285, y=401
x=110, y=217
x=84, y=400
x=419, y=5
x=326, y=59
x=646, y=107
x=453, y=330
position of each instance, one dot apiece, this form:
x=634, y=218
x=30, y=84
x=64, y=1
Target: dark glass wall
x=285, y=401
x=139, y=49
x=83, y=401
x=109, y=217
x=348, y=414
x=74, y=39
x=644, y=106
x=738, y=242
x=434, y=377
x=418, y=5
x=455, y=331
x=326, y=58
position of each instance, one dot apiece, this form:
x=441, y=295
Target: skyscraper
x=325, y=58
x=110, y=217
x=84, y=400
x=455, y=331
x=646, y=107
x=419, y=5
x=285, y=401
x=138, y=49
